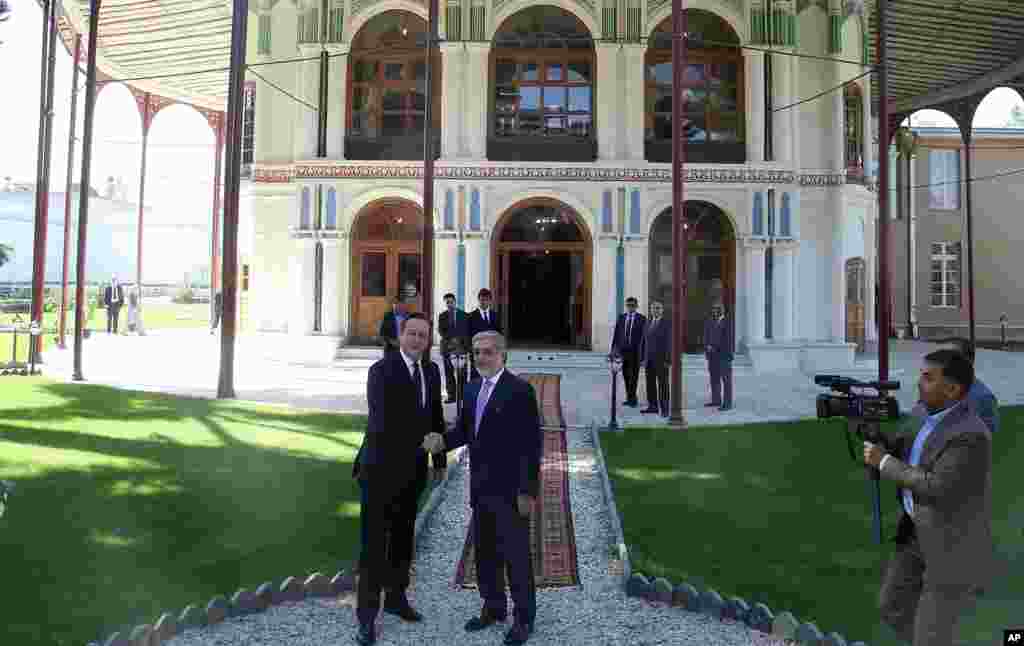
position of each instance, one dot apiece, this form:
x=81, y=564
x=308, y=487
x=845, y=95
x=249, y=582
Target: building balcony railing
x=541, y=149
x=401, y=148
x=698, y=153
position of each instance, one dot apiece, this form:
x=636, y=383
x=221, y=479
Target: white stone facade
x=830, y=220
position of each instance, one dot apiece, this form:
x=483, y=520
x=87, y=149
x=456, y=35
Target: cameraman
x=944, y=539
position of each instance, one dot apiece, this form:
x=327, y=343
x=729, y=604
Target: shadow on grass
x=779, y=513
x=131, y=504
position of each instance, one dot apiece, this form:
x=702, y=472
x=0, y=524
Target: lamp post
x=460, y=379
x=614, y=366
x=33, y=356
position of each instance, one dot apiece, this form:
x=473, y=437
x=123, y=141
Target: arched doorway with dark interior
x=541, y=261
x=710, y=275
x=386, y=246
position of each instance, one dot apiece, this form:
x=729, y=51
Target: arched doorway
x=386, y=246
x=541, y=261
x=711, y=266
x=856, y=279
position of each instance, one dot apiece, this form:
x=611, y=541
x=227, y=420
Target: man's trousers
x=657, y=385
x=502, y=543
x=721, y=375
x=630, y=373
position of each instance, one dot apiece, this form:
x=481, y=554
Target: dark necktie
x=417, y=381
x=487, y=319
x=629, y=327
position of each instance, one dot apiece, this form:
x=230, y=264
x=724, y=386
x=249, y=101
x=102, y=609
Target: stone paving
x=302, y=372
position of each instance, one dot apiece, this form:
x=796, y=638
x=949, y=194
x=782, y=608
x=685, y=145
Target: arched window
x=542, y=75
x=714, y=111
x=387, y=89
x=854, y=131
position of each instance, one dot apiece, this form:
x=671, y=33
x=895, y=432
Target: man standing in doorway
x=657, y=354
x=483, y=319
x=454, y=328
x=626, y=342
x=718, y=349
x=391, y=326
x=113, y=299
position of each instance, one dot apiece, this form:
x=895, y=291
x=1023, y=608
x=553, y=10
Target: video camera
x=864, y=414
x=876, y=408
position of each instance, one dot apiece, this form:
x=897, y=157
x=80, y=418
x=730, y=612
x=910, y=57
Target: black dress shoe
x=715, y=404
x=518, y=634
x=725, y=408
x=450, y=400
x=632, y=403
x=366, y=635
x=649, y=410
x=405, y=612
x=487, y=618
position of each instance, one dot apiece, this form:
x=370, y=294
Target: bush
x=184, y=296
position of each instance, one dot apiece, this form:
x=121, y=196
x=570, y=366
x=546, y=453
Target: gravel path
x=597, y=612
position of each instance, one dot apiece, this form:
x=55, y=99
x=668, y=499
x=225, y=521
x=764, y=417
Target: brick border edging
x=613, y=511
x=246, y=602
x=709, y=602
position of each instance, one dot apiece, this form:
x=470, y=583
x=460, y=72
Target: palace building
x=553, y=189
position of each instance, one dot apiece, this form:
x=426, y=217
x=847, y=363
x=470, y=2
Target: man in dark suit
x=482, y=319
x=656, y=356
x=944, y=537
x=627, y=339
x=719, y=346
x=113, y=299
x=500, y=422
x=454, y=328
x=404, y=403
x=391, y=326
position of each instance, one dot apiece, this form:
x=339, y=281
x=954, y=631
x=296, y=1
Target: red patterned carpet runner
x=552, y=537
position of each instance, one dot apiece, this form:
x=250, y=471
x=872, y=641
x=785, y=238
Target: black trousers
x=387, y=515
x=630, y=373
x=113, y=312
x=502, y=544
x=721, y=376
x=657, y=385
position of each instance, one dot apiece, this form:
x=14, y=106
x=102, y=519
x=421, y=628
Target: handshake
x=433, y=443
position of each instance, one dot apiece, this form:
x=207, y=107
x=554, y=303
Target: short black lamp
x=34, y=331
x=614, y=366
x=1002, y=328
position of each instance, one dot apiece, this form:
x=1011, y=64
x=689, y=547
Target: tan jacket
x=952, y=490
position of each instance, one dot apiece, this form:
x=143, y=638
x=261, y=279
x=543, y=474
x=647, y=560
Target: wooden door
x=384, y=271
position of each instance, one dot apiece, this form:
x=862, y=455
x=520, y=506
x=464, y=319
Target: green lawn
x=778, y=513
x=131, y=504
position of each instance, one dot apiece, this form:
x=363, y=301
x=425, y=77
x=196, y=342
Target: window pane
x=937, y=276
x=579, y=126
x=726, y=128
x=663, y=99
x=936, y=301
x=529, y=98
x=374, y=272
x=530, y=123
x=415, y=124
x=409, y=275
x=696, y=99
x=420, y=70
x=660, y=73
x=505, y=100
x=504, y=72
x=694, y=128
x=555, y=72
x=554, y=99
x=504, y=125
x=392, y=71
x=359, y=98
x=365, y=71
x=694, y=74
x=392, y=100
x=579, y=99
x=663, y=126
x=579, y=72
x=359, y=124
x=530, y=72
x=937, y=247
x=554, y=125
x=418, y=100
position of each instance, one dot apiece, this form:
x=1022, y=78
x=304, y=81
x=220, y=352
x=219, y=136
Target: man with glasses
x=626, y=342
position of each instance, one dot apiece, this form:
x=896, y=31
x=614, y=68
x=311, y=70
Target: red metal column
x=147, y=119
x=678, y=213
x=236, y=81
x=83, y=202
x=43, y=173
x=884, y=278
x=67, y=197
x=218, y=162
x=427, y=288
